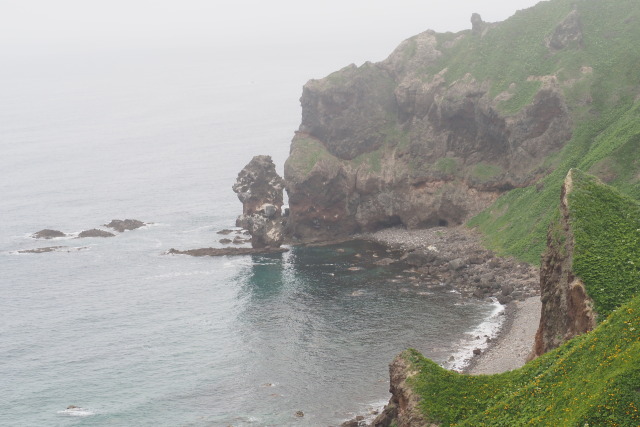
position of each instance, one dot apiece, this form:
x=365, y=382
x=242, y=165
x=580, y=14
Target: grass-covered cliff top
x=593, y=379
x=606, y=230
x=603, y=103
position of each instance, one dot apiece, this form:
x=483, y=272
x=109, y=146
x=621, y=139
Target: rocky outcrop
x=47, y=234
x=388, y=144
x=402, y=410
x=567, y=310
x=95, y=232
x=568, y=33
x=259, y=188
x=125, y=225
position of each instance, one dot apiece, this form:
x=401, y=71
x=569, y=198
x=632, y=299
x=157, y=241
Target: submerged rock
x=48, y=234
x=226, y=251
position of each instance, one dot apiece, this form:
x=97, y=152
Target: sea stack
x=259, y=188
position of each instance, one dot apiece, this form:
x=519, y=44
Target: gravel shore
x=456, y=257
x=515, y=342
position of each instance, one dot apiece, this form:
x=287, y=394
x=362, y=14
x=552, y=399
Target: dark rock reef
x=259, y=188
x=48, y=234
x=95, y=232
x=124, y=225
x=226, y=251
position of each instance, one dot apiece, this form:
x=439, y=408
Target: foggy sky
x=47, y=25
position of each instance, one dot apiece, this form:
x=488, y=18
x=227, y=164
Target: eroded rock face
x=384, y=144
x=402, y=410
x=567, y=310
x=567, y=33
x=259, y=188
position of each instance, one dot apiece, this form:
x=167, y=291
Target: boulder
x=123, y=225
x=47, y=234
x=94, y=232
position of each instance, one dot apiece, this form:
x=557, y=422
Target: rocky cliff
x=259, y=188
x=567, y=310
x=588, y=341
x=407, y=141
x=590, y=266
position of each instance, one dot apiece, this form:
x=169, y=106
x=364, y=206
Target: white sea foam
x=477, y=338
x=76, y=412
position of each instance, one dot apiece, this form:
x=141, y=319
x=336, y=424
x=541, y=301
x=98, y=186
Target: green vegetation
x=523, y=95
x=446, y=165
x=601, y=85
x=517, y=223
x=305, y=153
x=606, y=229
x=591, y=380
x=484, y=171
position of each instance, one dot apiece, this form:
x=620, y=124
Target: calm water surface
x=136, y=337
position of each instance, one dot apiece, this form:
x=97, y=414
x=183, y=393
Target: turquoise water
x=133, y=336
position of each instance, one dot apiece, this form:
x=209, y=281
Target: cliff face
x=388, y=143
x=567, y=310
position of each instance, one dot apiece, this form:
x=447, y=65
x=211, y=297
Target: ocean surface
x=131, y=336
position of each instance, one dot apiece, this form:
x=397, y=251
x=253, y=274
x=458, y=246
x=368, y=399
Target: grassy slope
x=591, y=380
x=602, y=102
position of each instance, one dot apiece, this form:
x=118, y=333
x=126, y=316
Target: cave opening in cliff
x=443, y=223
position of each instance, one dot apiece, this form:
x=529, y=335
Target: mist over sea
x=132, y=336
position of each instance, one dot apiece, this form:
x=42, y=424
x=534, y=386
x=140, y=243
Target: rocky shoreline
x=455, y=257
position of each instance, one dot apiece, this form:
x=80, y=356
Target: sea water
x=115, y=332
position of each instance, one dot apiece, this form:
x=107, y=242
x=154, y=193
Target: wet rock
x=94, y=232
x=477, y=352
x=504, y=300
x=299, y=414
x=225, y=232
x=506, y=290
x=225, y=241
x=226, y=251
x=419, y=258
x=42, y=250
x=48, y=234
x=124, y=225
x=240, y=241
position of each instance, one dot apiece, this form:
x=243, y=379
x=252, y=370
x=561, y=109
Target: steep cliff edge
x=589, y=373
x=452, y=124
x=409, y=141
x=567, y=310
x=592, y=262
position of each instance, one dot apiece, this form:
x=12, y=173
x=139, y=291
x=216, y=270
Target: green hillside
x=601, y=83
x=591, y=380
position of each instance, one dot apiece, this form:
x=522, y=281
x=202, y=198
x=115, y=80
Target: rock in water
x=47, y=234
x=123, y=225
x=259, y=188
x=94, y=232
